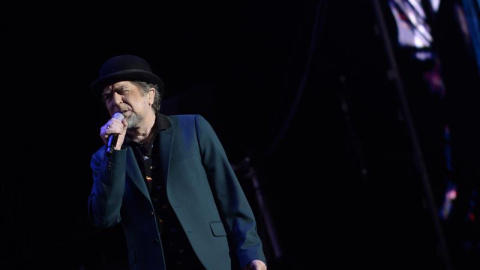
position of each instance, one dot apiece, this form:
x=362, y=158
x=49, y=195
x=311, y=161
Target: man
x=167, y=180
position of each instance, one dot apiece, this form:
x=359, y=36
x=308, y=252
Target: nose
x=117, y=98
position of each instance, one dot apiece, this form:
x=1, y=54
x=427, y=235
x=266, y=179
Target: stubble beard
x=133, y=121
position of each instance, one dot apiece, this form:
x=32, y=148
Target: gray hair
x=146, y=87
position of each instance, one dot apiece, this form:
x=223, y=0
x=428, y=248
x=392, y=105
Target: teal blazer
x=201, y=187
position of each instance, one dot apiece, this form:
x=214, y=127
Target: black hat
x=125, y=68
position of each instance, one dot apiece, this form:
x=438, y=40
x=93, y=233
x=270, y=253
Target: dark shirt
x=176, y=247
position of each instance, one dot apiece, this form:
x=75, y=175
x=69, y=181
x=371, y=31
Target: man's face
x=129, y=99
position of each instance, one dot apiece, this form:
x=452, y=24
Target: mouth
x=123, y=110
x=126, y=113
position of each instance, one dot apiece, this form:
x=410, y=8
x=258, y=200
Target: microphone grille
x=118, y=116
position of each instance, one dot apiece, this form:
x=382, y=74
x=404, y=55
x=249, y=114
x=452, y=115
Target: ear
x=151, y=95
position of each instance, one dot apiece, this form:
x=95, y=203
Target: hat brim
x=126, y=75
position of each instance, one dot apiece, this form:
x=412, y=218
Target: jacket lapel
x=166, y=140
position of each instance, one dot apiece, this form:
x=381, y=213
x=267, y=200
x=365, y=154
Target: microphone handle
x=112, y=141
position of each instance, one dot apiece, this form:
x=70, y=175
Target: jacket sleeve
x=231, y=200
x=105, y=198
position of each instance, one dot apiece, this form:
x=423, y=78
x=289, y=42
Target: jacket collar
x=161, y=123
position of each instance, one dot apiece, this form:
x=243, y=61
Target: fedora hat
x=125, y=68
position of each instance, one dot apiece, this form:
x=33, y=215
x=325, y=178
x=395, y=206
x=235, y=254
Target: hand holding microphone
x=110, y=132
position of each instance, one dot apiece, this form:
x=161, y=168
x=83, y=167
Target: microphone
x=112, y=138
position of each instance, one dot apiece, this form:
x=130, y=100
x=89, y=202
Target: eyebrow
x=111, y=89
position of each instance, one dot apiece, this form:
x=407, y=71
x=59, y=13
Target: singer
x=167, y=180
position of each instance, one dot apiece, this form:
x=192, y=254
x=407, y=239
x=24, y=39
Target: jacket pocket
x=217, y=229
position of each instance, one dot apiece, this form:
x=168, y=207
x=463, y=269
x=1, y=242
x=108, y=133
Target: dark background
x=301, y=93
